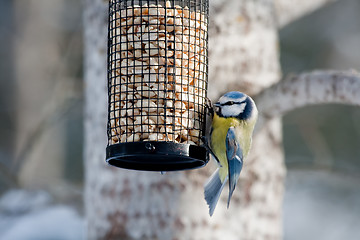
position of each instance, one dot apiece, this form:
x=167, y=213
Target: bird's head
x=236, y=104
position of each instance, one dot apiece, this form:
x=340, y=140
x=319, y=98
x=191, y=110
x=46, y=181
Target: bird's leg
x=209, y=107
x=206, y=145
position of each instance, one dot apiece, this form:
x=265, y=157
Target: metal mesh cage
x=157, y=73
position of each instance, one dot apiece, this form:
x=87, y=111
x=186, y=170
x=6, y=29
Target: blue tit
x=234, y=119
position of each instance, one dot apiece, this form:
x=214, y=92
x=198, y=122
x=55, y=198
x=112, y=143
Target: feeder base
x=156, y=156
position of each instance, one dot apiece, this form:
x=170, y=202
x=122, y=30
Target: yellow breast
x=220, y=128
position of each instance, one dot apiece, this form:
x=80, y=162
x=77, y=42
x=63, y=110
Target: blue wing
x=234, y=156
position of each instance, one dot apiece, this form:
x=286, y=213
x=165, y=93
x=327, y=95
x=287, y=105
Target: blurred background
x=322, y=143
x=41, y=123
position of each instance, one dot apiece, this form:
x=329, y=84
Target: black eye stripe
x=232, y=102
x=228, y=103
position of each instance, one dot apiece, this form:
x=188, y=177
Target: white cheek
x=232, y=110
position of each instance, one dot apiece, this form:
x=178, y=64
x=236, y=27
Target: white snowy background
x=31, y=215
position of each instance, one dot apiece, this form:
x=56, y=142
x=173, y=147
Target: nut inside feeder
x=157, y=73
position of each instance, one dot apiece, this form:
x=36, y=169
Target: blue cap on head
x=234, y=94
x=235, y=104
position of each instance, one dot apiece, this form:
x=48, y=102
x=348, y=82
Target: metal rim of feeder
x=157, y=84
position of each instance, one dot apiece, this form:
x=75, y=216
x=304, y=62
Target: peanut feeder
x=157, y=82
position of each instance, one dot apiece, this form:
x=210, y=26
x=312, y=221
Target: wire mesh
x=157, y=71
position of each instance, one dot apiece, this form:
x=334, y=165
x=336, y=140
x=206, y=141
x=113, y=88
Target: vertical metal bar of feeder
x=177, y=128
x=181, y=76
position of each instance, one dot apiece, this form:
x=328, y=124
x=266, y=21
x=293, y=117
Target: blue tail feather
x=213, y=189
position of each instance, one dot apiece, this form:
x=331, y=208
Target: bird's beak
x=217, y=104
x=217, y=107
